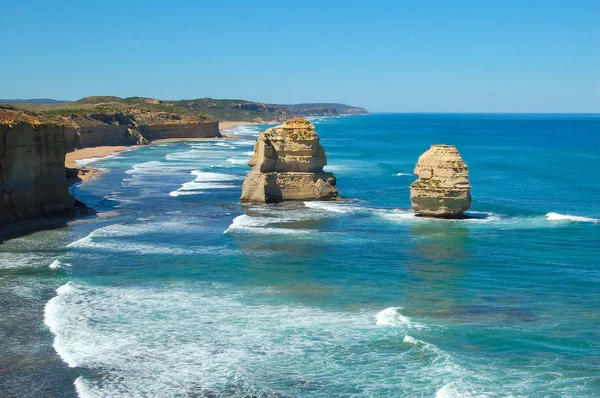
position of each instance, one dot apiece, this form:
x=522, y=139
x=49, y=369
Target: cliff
x=132, y=127
x=33, y=181
x=442, y=189
x=287, y=165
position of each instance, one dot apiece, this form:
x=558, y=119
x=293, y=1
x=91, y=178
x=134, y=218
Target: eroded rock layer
x=288, y=165
x=443, y=189
x=32, y=172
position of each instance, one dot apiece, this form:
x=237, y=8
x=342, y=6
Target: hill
x=202, y=108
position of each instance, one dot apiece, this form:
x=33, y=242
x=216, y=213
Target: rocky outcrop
x=443, y=189
x=32, y=172
x=288, y=165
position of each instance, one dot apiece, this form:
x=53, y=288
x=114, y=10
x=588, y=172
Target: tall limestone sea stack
x=443, y=189
x=288, y=165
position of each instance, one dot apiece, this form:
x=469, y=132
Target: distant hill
x=203, y=108
x=31, y=101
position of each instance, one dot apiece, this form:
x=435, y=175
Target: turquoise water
x=183, y=292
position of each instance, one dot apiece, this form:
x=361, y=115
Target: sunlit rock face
x=287, y=165
x=443, y=189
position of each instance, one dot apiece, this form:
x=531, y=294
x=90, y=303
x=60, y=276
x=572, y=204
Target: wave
x=259, y=225
x=243, y=130
x=87, y=161
x=487, y=219
x=393, y=317
x=237, y=161
x=205, y=180
x=211, y=176
x=225, y=145
x=155, y=167
x=567, y=217
x=334, y=207
x=333, y=168
x=55, y=320
x=187, y=155
x=244, y=142
x=404, y=174
x=114, y=239
x=57, y=264
x=144, y=339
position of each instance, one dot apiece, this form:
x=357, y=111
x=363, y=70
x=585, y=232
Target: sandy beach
x=84, y=172
x=231, y=125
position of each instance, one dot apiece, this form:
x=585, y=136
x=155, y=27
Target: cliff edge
x=33, y=181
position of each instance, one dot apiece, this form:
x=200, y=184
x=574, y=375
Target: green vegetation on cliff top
x=202, y=108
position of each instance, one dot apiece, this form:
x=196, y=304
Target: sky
x=386, y=56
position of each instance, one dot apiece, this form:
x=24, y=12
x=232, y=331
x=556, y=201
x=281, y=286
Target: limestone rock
x=287, y=165
x=443, y=189
x=33, y=182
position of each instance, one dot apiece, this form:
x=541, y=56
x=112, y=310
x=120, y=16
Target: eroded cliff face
x=133, y=128
x=443, y=189
x=288, y=165
x=32, y=171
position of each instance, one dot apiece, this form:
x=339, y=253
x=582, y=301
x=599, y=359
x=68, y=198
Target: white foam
x=392, y=317
x=237, y=161
x=56, y=264
x=461, y=389
x=185, y=193
x=247, y=224
x=225, y=145
x=567, y=217
x=333, y=168
x=191, y=154
x=146, y=340
x=398, y=215
x=113, y=238
x=155, y=167
x=243, y=130
x=410, y=340
x=404, y=174
x=332, y=207
x=205, y=180
x=211, y=176
x=55, y=322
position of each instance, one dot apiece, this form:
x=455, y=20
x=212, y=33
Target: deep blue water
x=180, y=291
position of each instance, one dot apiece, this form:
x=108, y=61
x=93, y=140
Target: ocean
x=183, y=292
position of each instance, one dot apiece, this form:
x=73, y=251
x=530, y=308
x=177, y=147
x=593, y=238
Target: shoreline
x=80, y=158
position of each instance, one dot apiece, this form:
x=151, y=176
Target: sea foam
x=567, y=217
x=393, y=317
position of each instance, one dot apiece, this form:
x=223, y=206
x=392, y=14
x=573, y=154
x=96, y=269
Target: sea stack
x=288, y=165
x=443, y=189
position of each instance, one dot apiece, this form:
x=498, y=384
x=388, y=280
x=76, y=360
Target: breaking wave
x=567, y=217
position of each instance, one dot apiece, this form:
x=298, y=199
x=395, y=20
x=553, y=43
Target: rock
x=33, y=181
x=443, y=189
x=288, y=165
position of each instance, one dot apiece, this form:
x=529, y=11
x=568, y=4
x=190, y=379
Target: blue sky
x=403, y=56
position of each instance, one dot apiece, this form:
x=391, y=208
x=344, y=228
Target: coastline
x=78, y=159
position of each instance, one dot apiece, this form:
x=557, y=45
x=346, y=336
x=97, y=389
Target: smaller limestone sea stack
x=443, y=189
x=288, y=165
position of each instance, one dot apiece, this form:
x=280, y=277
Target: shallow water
x=187, y=293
